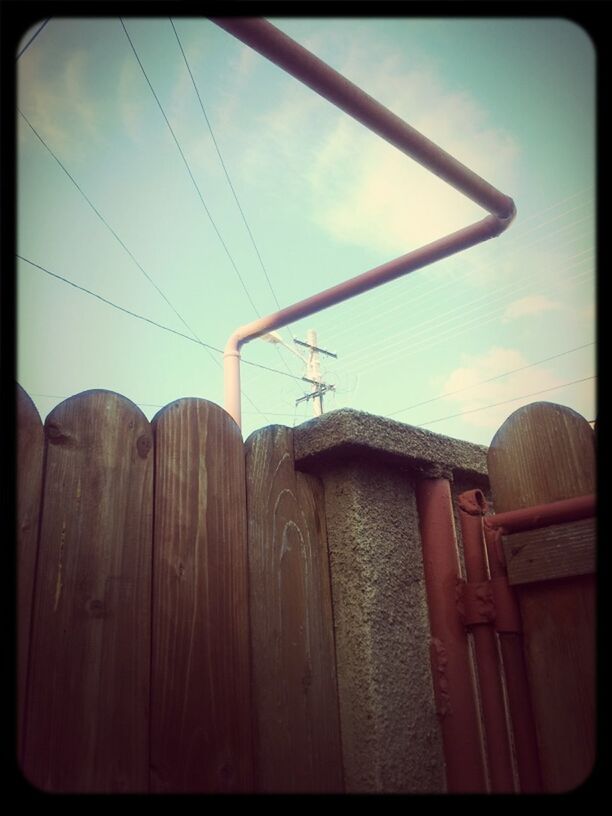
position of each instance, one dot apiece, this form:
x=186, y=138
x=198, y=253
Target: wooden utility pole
x=313, y=372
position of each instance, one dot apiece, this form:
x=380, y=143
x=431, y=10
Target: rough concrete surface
x=390, y=733
x=369, y=467
x=347, y=432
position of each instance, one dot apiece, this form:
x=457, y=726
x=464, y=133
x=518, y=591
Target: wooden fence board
x=30, y=449
x=200, y=703
x=544, y=453
x=297, y=734
x=88, y=690
x=556, y=551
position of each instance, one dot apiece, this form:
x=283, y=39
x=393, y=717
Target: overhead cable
x=107, y=225
x=32, y=38
x=490, y=379
x=148, y=320
x=505, y=402
x=225, y=170
x=195, y=184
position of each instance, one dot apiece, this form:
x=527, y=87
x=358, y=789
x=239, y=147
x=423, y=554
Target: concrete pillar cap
x=348, y=433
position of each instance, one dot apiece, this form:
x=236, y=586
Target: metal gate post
x=509, y=629
x=451, y=667
x=479, y=617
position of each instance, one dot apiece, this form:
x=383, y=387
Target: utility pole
x=313, y=371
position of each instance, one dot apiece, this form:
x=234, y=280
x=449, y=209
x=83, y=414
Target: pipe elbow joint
x=232, y=347
x=504, y=221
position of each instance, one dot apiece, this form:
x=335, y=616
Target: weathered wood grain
x=544, y=453
x=88, y=690
x=29, y=455
x=200, y=695
x=557, y=551
x=297, y=734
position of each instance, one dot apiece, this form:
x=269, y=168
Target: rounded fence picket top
x=545, y=453
x=86, y=724
x=29, y=452
x=200, y=693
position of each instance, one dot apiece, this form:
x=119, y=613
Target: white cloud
x=365, y=192
x=477, y=369
x=61, y=108
x=131, y=100
x=588, y=314
x=237, y=78
x=528, y=306
x=388, y=201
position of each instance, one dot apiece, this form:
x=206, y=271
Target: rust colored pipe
x=472, y=506
x=280, y=49
x=511, y=644
x=541, y=515
x=442, y=248
x=296, y=60
x=451, y=667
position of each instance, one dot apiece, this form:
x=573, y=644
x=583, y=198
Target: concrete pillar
x=369, y=466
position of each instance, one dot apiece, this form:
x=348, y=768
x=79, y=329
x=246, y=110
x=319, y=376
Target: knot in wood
x=55, y=435
x=144, y=444
x=95, y=608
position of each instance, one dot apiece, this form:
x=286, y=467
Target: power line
x=476, y=311
x=479, y=319
x=429, y=292
x=152, y=322
x=116, y=306
x=225, y=170
x=499, y=294
x=229, y=181
x=195, y=338
x=32, y=38
x=490, y=379
x=66, y=396
x=505, y=402
x=195, y=184
x=107, y=225
x=379, y=298
x=144, y=404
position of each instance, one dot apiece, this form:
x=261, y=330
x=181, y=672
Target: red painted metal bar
x=542, y=515
x=509, y=630
x=296, y=60
x=471, y=509
x=451, y=667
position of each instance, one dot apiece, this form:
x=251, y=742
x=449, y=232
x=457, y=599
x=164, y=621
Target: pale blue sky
x=325, y=200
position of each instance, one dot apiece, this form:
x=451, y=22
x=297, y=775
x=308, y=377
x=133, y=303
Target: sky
x=107, y=201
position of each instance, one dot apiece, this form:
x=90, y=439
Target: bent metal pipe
x=313, y=72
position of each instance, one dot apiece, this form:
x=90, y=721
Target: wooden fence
x=175, y=617
x=545, y=453
x=134, y=644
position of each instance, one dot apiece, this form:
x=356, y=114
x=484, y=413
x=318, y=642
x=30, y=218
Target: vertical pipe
x=231, y=379
x=442, y=248
x=451, y=669
x=511, y=643
x=471, y=510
